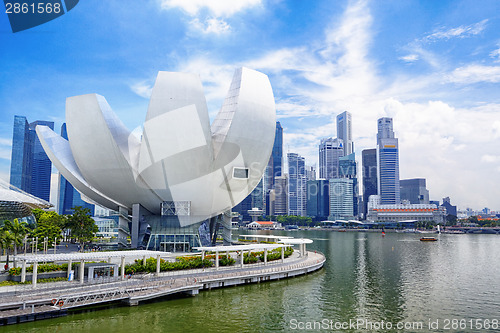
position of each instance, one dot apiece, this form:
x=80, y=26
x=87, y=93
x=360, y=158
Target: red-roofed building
x=263, y=225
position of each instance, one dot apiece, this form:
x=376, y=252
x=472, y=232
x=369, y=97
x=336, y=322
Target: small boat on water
x=428, y=239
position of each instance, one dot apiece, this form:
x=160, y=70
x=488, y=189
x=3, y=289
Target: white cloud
x=313, y=83
x=462, y=31
x=5, y=142
x=495, y=54
x=142, y=89
x=5, y=153
x=410, y=57
x=490, y=159
x=475, y=73
x=217, y=7
x=210, y=26
x=496, y=129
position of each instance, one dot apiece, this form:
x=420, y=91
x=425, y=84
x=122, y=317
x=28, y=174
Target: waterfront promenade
x=22, y=303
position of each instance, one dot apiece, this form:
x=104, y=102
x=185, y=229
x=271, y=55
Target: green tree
x=49, y=225
x=49, y=230
x=17, y=231
x=52, y=218
x=473, y=219
x=82, y=226
x=37, y=213
x=6, y=242
x=451, y=219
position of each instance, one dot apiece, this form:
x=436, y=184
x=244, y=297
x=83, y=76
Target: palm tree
x=17, y=232
x=5, y=242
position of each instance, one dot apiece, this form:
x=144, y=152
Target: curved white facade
x=180, y=156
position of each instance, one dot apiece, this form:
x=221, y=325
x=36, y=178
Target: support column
x=90, y=274
x=216, y=259
x=70, y=263
x=109, y=260
x=144, y=261
x=122, y=268
x=23, y=272
x=202, y=255
x=241, y=259
x=158, y=265
x=265, y=256
x=283, y=254
x=35, y=271
x=82, y=270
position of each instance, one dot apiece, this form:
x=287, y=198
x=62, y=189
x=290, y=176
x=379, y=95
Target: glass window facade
x=30, y=167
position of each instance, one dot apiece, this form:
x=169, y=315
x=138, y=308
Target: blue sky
x=434, y=66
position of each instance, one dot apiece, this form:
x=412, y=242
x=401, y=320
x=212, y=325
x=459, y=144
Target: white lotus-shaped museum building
x=181, y=170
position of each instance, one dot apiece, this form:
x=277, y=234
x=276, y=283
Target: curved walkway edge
x=26, y=306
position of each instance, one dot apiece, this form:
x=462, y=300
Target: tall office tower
x=280, y=192
x=30, y=168
x=344, y=132
x=341, y=204
x=348, y=169
x=388, y=163
x=369, y=161
x=274, y=165
x=297, y=183
x=310, y=172
x=330, y=150
x=254, y=200
x=318, y=199
x=69, y=197
x=277, y=154
x=414, y=191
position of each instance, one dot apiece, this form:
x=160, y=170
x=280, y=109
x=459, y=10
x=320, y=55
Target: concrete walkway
x=33, y=303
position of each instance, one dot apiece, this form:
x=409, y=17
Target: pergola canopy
x=77, y=256
x=296, y=241
x=222, y=248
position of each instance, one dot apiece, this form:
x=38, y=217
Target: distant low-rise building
x=263, y=225
x=406, y=212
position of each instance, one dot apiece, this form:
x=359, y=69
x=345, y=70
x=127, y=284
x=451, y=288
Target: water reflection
x=392, y=278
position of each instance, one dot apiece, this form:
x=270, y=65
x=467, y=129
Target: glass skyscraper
x=388, y=163
x=344, y=132
x=341, y=203
x=330, y=150
x=414, y=191
x=348, y=169
x=369, y=161
x=297, y=182
x=30, y=168
x=318, y=199
x=277, y=154
x=69, y=197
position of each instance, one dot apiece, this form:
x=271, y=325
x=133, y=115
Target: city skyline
x=432, y=67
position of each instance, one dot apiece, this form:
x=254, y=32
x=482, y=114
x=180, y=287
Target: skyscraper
x=348, y=169
x=388, y=163
x=318, y=199
x=69, y=197
x=30, y=167
x=297, y=182
x=277, y=154
x=310, y=172
x=274, y=165
x=414, y=191
x=330, y=150
x=341, y=204
x=344, y=132
x=369, y=161
x=280, y=206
